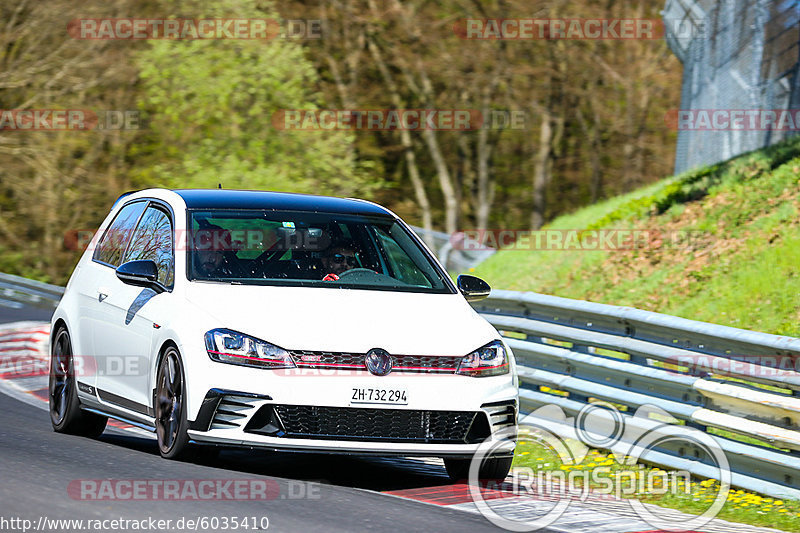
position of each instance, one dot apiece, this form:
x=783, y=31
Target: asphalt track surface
x=10, y=314
x=312, y=492
x=38, y=465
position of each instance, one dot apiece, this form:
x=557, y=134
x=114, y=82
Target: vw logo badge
x=378, y=362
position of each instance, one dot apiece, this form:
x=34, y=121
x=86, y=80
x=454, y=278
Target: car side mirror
x=473, y=288
x=142, y=273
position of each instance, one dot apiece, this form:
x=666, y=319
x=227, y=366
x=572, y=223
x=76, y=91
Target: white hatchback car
x=283, y=321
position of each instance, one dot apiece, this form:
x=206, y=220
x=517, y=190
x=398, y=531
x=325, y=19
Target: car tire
x=66, y=415
x=170, y=406
x=492, y=468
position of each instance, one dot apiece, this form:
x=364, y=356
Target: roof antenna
x=219, y=185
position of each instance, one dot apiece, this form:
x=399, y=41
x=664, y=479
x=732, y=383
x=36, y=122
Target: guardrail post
x=582, y=348
x=695, y=425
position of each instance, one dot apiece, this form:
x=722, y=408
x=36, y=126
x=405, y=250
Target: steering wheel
x=354, y=271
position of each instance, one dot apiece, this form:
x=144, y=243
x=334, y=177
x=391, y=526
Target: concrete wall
x=737, y=55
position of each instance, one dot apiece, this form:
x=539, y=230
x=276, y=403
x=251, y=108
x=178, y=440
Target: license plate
x=379, y=396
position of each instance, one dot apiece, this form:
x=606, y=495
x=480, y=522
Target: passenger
x=208, y=263
x=214, y=255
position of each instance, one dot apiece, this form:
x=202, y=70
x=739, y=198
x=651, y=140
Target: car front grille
x=354, y=361
x=368, y=424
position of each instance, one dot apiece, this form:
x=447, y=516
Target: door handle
x=102, y=293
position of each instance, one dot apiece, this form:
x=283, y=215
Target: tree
x=54, y=183
x=211, y=103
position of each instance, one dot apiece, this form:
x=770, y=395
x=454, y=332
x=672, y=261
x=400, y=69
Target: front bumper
x=446, y=416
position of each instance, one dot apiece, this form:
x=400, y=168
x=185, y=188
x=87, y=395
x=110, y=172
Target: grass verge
x=694, y=498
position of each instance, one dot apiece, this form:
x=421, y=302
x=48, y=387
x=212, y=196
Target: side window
x=401, y=264
x=153, y=240
x=111, y=247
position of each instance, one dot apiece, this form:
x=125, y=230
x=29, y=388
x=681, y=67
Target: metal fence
x=15, y=292
x=717, y=379
x=571, y=353
x=736, y=55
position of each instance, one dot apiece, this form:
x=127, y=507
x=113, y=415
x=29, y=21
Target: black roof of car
x=279, y=201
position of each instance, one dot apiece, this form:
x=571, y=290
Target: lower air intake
x=366, y=424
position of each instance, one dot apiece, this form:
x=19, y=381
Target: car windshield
x=266, y=247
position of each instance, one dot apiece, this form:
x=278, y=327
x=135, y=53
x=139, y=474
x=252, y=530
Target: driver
x=208, y=263
x=338, y=258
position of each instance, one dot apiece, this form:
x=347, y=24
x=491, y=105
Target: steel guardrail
x=721, y=380
x=16, y=291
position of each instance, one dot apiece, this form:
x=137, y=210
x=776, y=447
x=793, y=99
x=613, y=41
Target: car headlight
x=226, y=346
x=490, y=360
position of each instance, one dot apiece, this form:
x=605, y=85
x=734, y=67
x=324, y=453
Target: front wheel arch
x=59, y=324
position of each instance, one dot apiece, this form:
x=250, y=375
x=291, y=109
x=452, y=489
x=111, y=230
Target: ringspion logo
x=633, y=440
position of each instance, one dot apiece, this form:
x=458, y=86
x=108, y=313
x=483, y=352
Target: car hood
x=347, y=320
